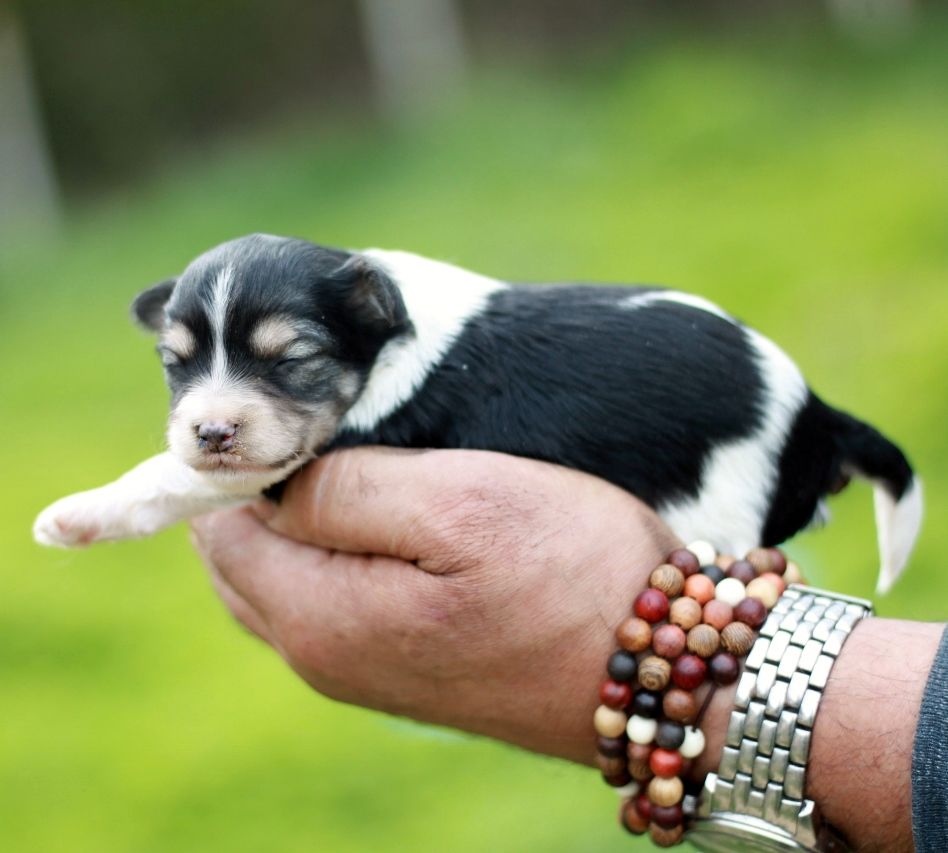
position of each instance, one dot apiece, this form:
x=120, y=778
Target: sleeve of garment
x=930, y=761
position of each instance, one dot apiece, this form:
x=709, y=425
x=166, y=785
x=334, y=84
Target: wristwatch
x=755, y=803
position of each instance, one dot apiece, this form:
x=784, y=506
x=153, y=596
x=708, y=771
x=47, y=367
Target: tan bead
x=776, y=580
x=761, y=559
x=703, y=641
x=634, y=634
x=668, y=579
x=666, y=792
x=685, y=613
x=725, y=561
x=609, y=722
x=737, y=638
x=654, y=673
x=680, y=705
x=793, y=573
x=764, y=589
x=611, y=766
x=663, y=837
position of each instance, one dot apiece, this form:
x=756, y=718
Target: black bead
x=717, y=575
x=645, y=703
x=622, y=666
x=670, y=735
x=611, y=747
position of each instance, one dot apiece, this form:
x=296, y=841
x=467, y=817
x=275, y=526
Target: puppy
x=277, y=350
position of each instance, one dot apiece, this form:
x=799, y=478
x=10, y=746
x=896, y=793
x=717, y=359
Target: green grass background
x=800, y=181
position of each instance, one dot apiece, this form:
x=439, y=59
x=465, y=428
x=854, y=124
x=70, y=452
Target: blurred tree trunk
x=29, y=200
x=416, y=49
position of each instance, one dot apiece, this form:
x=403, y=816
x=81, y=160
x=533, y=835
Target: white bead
x=693, y=744
x=627, y=792
x=641, y=729
x=730, y=591
x=704, y=551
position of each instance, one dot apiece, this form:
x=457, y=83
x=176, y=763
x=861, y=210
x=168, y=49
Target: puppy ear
x=148, y=309
x=370, y=297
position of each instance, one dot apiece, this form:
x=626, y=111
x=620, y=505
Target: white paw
x=87, y=517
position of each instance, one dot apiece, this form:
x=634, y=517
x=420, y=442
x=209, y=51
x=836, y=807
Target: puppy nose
x=216, y=436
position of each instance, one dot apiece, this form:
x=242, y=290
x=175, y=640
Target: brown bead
x=703, y=641
x=717, y=614
x=684, y=560
x=611, y=746
x=767, y=560
x=700, y=588
x=667, y=816
x=618, y=780
x=668, y=641
x=639, y=755
x=654, y=673
x=665, y=792
x=723, y=668
x=611, y=765
x=685, y=612
x=750, y=611
x=680, y=705
x=634, y=634
x=643, y=805
x=667, y=579
x=724, y=561
x=662, y=837
x=738, y=638
x=631, y=820
x=743, y=571
x=765, y=589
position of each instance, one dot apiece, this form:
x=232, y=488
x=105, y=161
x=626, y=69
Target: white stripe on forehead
x=217, y=315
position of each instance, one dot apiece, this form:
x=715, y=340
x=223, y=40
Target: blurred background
x=786, y=159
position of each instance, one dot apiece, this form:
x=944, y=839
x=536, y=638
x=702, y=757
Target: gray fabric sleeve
x=930, y=761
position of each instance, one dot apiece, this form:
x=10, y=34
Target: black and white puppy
x=277, y=350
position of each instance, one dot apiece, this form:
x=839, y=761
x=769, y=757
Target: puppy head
x=266, y=342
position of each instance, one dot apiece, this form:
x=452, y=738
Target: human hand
x=465, y=588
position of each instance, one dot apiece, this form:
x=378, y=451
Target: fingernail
x=265, y=509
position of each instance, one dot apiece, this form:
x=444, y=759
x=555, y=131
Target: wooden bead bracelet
x=693, y=625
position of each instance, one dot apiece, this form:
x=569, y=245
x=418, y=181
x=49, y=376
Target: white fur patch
x=440, y=299
x=217, y=315
x=897, y=526
x=179, y=339
x=651, y=297
x=740, y=477
x=272, y=335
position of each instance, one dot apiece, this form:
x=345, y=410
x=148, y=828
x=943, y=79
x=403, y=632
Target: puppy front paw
x=71, y=522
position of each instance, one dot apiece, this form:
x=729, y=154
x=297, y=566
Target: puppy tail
x=897, y=491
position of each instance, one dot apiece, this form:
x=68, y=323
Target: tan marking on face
x=180, y=340
x=272, y=336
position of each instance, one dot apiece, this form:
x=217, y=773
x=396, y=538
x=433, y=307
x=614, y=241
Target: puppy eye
x=169, y=358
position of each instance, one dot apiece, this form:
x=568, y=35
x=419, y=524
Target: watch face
x=733, y=833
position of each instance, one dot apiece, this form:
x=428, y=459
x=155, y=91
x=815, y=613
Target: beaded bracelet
x=696, y=620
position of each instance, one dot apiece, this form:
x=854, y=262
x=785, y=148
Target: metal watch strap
x=763, y=763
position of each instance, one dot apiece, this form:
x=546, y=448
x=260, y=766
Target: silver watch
x=755, y=802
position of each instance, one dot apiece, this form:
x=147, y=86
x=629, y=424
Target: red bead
x=669, y=641
x=723, y=668
x=651, y=605
x=665, y=762
x=667, y=816
x=643, y=805
x=684, y=560
x=615, y=695
x=750, y=611
x=743, y=571
x=688, y=672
